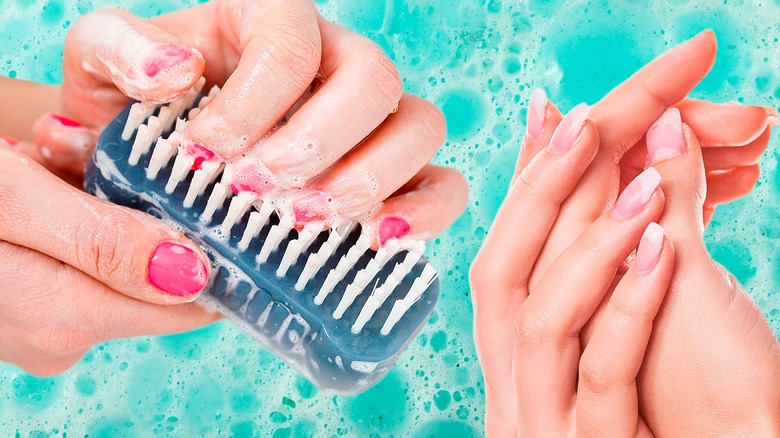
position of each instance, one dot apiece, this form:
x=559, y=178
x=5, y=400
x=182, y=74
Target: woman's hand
x=561, y=387
x=359, y=141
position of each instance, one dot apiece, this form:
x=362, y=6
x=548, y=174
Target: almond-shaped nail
x=665, y=137
x=649, y=250
x=177, y=270
x=636, y=195
x=393, y=227
x=569, y=130
x=536, y=114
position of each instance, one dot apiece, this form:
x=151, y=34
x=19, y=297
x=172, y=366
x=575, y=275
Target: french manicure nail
x=177, y=270
x=569, y=130
x=393, y=227
x=164, y=57
x=311, y=207
x=665, y=137
x=649, y=250
x=536, y=114
x=637, y=194
x=64, y=121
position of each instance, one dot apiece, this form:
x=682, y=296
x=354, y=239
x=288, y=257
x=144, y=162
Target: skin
x=87, y=251
x=739, y=394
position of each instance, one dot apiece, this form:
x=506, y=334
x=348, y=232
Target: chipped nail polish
x=252, y=178
x=569, y=130
x=665, y=137
x=536, y=114
x=177, y=270
x=649, y=250
x=393, y=227
x=164, y=57
x=198, y=153
x=313, y=206
x=637, y=194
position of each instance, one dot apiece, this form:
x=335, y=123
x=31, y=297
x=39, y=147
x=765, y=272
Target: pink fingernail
x=536, y=114
x=393, y=227
x=649, y=250
x=199, y=153
x=64, y=121
x=313, y=206
x=177, y=270
x=164, y=57
x=14, y=143
x=637, y=194
x=772, y=121
x=252, y=178
x=569, y=130
x=665, y=137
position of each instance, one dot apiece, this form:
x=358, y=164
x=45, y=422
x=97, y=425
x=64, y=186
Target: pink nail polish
x=14, y=143
x=637, y=194
x=569, y=130
x=252, y=178
x=649, y=250
x=665, y=137
x=177, y=270
x=536, y=114
x=64, y=121
x=393, y=227
x=313, y=206
x=199, y=153
x=164, y=57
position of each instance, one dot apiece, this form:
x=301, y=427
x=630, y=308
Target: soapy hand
x=357, y=149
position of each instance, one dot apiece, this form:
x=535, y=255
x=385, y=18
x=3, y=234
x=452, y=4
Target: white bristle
x=173, y=114
x=238, y=207
x=206, y=99
x=345, y=264
x=214, y=171
x=309, y=234
x=256, y=222
x=181, y=167
x=165, y=118
x=410, y=260
x=199, y=181
x=275, y=236
x=350, y=293
x=386, y=252
x=420, y=285
x=299, y=245
x=143, y=140
x=155, y=128
x=327, y=286
x=134, y=119
x=193, y=113
x=216, y=199
x=148, y=109
x=163, y=152
x=374, y=302
x=313, y=265
x=180, y=125
x=213, y=91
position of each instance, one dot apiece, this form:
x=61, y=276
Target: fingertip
x=178, y=270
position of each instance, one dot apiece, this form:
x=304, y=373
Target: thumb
x=112, y=49
x=674, y=151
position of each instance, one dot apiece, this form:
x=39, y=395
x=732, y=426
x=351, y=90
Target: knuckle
x=295, y=49
x=430, y=119
x=102, y=247
x=532, y=331
x=383, y=73
x=595, y=373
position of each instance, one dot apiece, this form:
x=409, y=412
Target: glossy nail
x=393, y=227
x=177, y=270
x=649, y=250
x=64, y=121
x=164, y=57
x=536, y=114
x=311, y=207
x=665, y=137
x=637, y=194
x=569, y=130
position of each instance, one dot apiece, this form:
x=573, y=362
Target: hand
x=561, y=387
x=77, y=271
x=357, y=142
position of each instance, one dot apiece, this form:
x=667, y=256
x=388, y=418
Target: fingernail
x=665, y=137
x=164, y=57
x=569, y=130
x=177, y=270
x=393, y=227
x=536, y=114
x=637, y=194
x=64, y=121
x=14, y=143
x=313, y=206
x=199, y=153
x=254, y=178
x=649, y=250
x=772, y=121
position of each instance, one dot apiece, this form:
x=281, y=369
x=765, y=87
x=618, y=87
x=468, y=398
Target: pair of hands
x=81, y=271
x=572, y=341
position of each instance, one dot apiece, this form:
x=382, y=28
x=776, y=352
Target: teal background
x=479, y=61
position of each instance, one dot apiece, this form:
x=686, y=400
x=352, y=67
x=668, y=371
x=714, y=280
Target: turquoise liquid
x=479, y=60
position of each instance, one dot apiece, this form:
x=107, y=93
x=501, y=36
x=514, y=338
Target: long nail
x=637, y=194
x=665, y=137
x=649, y=250
x=393, y=227
x=536, y=114
x=569, y=130
x=177, y=270
x=164, y=57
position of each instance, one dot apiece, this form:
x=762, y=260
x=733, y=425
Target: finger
x=727, y=157
x=543, y=117
x=607, y=401
x=373, y=171
x=548, y=323
x=725, y=124
x=362, y=87
x=111, y=49
x=426, y=206
x=730, y=185
x=64, y=144
x=127, y=250
x=280, y=48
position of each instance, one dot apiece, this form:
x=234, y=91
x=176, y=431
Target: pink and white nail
x=536, y=113
x=649, y=250
x=637, y=194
